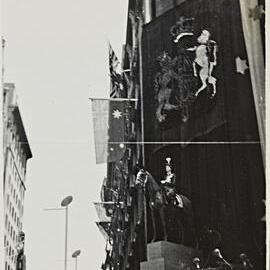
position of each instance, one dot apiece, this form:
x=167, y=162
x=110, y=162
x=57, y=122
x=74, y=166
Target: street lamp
x=75, y=255
x=65, y=203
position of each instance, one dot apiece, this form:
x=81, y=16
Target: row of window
x=13, y=212
x=8, y=267
x=16, y=177
x=11, y=230
x=10, y=252
x=18, y=151
x=14, y=195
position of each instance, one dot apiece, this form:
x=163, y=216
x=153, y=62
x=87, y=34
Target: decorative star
x=241, y=65
x=256, y=12
x=117, y=114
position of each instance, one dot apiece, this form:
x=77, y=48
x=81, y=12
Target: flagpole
x=142, y=128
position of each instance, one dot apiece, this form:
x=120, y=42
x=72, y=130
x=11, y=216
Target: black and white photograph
x=133, y=135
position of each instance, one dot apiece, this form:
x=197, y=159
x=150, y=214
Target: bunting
x=117, y=85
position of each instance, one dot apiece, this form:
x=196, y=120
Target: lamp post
x=75, y=255
x=65, y=203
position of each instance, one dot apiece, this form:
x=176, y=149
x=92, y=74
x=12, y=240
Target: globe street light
x=65, y=203
x=75, y=255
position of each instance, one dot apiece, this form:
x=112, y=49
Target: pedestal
x=165, y=255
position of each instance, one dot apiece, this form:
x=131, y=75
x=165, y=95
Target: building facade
x=200, y=103
x=16, y=154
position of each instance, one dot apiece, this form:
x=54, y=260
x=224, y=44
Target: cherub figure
x=205, y=61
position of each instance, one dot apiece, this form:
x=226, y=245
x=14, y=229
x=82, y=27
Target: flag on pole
x=118, y=116
x=115, y=74
x=100, y=112
x=104, y=210
x=105, y=229
x=110, y=119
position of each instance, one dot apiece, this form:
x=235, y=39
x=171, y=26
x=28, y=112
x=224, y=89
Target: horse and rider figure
x=174, y=210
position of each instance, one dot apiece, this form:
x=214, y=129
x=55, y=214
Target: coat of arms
x=182, y=78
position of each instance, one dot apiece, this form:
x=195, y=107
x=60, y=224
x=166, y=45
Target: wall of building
x=16, y=154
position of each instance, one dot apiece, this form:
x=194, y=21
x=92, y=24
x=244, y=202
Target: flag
x=118, y=117
x=105, y=229
x=100, y=112
x=251, y=12
x=110, y=119
x=104, y=210
x=115, y=74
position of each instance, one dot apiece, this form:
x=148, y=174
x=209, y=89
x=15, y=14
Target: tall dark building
x=197, y=81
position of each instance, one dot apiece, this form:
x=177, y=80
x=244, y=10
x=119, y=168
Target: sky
x=57, y=56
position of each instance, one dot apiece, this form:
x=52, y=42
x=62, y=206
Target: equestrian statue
x=174, y=210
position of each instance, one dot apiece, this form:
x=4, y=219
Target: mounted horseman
x=169, y=186
x=174, y=210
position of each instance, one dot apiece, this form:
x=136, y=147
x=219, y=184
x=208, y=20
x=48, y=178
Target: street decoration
x=241, y=65
x=257, y=12
x=205, y=61
x=181, y=78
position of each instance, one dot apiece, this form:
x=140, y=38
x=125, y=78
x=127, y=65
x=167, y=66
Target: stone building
x=16, y=154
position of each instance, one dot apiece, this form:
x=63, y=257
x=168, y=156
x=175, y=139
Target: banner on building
x=192, y=83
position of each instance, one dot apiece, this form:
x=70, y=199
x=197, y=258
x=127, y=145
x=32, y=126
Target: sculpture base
x=165, y=255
